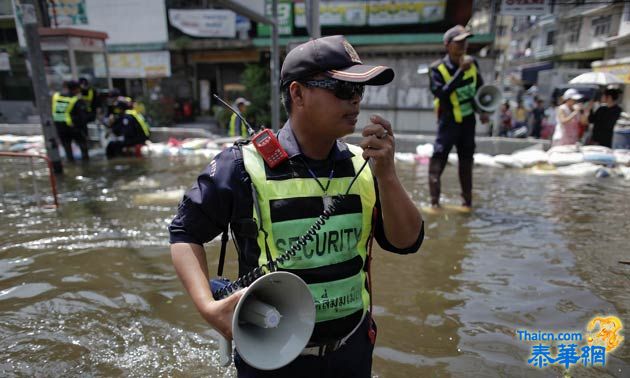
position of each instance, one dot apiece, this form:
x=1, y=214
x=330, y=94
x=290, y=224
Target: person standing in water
x=455, y=80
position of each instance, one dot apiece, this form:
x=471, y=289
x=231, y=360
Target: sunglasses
x=343, y=90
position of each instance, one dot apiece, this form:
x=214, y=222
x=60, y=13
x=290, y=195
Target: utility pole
x=312, y=19
x=494, y=15
x=40, y=85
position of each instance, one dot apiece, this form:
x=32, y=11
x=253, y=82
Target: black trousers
x=76, y=133
x=462, y=136
x=353, y=359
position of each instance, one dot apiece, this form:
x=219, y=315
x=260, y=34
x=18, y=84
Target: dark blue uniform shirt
x=223, y=194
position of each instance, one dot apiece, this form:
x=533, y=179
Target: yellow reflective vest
x=89, y=99
x=62, y=108
x=333, y=261
x=461, y=97
x=141, y=121
x=232, y=128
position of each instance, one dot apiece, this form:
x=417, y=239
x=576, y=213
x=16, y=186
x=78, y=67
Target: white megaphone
x=273, y=321
x=488, y=98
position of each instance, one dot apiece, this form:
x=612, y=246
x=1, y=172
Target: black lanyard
x=314, y=176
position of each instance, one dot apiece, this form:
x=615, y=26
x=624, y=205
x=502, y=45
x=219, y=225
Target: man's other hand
x=378, y=144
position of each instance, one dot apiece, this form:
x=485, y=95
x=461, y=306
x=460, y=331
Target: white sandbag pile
x=191, y=146
x=486, y=160
x=21, y=143
x=571, y=160
x=508, y=161
x=561, y=156
x=529, y=158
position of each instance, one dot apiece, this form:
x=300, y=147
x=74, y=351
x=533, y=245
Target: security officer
x=455, y=80
x=324, y=73
x=237, y=128
x=88, y=95
x=70, y=117
x=129, y=126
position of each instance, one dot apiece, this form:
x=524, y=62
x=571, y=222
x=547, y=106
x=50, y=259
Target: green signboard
x=285, y=19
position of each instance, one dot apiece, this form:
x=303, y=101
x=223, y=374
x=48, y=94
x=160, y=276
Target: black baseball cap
x=334, y=57
x=456, y=33
x=72, y=84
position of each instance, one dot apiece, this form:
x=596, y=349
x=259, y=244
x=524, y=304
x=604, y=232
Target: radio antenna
x=250, y=131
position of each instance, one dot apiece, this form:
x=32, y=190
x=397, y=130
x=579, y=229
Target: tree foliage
x=255, y=78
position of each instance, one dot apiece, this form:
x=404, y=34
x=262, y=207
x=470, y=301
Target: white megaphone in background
x=273, y=321
x=488, y=98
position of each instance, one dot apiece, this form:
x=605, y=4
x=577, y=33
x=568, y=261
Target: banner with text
x=140, y=65
x=211, y=23
x=525, y=7
x=374, y=12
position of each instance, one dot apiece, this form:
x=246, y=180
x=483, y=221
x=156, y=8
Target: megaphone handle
x=225, y=351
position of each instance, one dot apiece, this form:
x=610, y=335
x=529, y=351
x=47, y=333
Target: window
x=550, y=38
x=601, y=26
x=501, y=30
x=573, y=31
x=626, y=13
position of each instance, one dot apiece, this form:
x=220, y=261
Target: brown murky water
x=89, y=290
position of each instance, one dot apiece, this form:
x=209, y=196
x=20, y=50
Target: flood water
x=89, y=289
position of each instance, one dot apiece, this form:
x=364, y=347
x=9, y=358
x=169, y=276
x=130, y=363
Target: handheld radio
x=264, y=141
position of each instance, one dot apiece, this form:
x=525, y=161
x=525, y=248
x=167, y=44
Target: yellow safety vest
x=287, y=207
x=89, y=98
x=62, y=108
x=462, y=97
x=140, y=119
x=232, y=129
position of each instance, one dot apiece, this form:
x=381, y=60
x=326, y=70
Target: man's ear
x=297, y=94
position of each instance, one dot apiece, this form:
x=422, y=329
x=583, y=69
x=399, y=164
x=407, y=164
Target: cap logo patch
x=351, y=52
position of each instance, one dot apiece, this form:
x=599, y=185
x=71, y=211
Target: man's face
x=457, y=48
x=332, y=116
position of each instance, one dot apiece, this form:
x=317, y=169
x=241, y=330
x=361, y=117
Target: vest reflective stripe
x=140, y=119
x=232, y=128
x=62, y=108
x=461, y=98
x=89, y=98
x=341, y=242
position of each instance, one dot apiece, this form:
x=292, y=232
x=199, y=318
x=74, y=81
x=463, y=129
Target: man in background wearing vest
x=88, y=94
x=237, y=127
x=70, y=116
x=455, y=80
x=322, y=85
x=129, y=126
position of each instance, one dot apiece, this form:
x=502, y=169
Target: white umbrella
x=599, y=78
